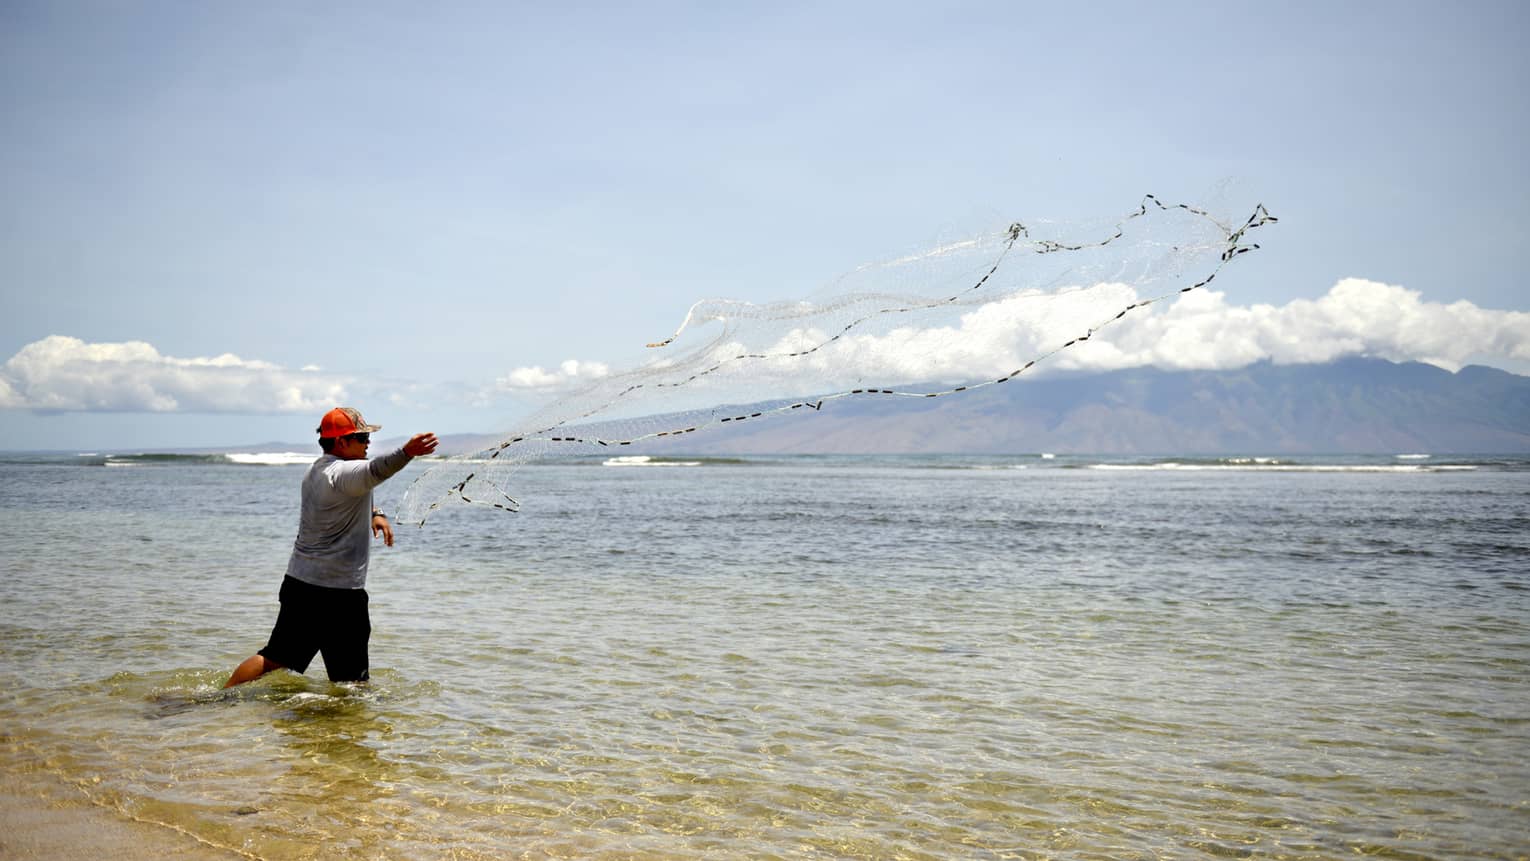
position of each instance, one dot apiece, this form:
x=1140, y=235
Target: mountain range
x=1354, y=405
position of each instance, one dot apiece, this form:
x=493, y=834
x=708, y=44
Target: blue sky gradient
x=420, y=200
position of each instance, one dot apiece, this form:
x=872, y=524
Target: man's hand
x=420, y=443
x=381, y=526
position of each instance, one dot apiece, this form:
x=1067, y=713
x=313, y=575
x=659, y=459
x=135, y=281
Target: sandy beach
x=43, y=818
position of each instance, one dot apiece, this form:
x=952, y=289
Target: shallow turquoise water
x=921, y=658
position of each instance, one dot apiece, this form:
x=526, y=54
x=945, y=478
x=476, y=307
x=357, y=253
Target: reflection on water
x=804, y=662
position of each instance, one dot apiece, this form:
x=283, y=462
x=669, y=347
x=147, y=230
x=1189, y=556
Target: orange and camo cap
x=341, y=421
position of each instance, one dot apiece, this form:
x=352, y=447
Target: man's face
x=352, y=446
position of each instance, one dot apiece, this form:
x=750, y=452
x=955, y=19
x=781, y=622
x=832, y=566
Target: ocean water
x=1026, y=657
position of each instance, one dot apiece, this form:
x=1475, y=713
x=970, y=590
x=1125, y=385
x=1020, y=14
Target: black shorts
x=316, y=619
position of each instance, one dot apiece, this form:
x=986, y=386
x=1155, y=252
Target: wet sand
x=42, y=818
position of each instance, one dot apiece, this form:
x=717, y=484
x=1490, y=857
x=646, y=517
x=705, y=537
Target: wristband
x=376, y=513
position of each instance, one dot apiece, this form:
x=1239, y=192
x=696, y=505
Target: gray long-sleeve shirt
x=334, y=540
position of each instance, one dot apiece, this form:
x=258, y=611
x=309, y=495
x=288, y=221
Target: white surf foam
x=645, y=460
x=1275, y=467
x=271, y=458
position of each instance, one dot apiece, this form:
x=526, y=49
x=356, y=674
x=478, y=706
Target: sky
x=219, y=220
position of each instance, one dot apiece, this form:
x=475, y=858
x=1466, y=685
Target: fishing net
x=963, y=315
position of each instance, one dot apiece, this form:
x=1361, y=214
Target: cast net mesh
x=964, y=315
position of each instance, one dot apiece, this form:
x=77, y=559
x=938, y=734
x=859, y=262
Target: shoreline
x=42, y=817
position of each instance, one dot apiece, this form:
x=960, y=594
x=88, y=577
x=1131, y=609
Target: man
x=323, y=596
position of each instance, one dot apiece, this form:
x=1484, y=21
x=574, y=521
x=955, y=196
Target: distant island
x=1350, y=406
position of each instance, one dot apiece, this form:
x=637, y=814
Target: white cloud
x=1196, y=330
x=1355, y=317
x=64, y=374
x=1199, y=330
x=537, y=378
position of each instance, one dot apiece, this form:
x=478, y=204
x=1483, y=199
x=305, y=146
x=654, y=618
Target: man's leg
x=294, y=638
x=251, y=669
x=345, y=646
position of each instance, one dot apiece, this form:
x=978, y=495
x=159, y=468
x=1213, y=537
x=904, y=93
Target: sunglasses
x=362, y=438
